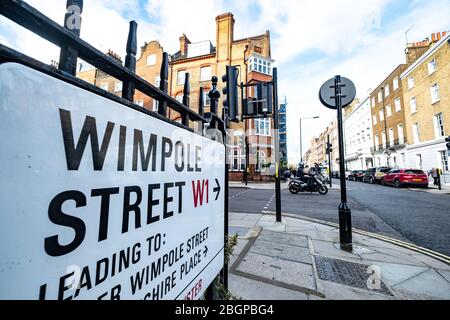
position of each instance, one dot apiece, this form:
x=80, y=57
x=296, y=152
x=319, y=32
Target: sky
x=312, y=40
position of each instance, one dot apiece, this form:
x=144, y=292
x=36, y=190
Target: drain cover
x=350, y=274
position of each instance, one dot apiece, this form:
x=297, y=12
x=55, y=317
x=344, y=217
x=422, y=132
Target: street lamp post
x=301, y=151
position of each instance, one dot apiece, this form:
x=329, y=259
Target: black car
x=374, y=175
x=356, y=175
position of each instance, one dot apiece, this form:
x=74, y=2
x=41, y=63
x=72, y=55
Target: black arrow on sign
x=205, y=252
x=217, y=189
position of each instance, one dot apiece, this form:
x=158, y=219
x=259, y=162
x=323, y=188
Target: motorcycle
x=311, y=184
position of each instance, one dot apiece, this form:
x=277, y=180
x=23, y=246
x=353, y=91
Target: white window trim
x=180, y=80
x=388, y=111
x=208, y=78
x=206, y=100
x=398, y=106
x=411, y=83
x=401, y=134
x=151, y=60
x=439, y=131
x=411, y=105
x=118, y=86
x=395, y=84
x=268, y=122
x=432, y=93
x=430, y=72
x=416, y=130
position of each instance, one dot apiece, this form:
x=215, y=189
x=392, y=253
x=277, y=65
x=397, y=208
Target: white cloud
x=349, y=37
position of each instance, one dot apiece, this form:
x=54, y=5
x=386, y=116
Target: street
x=418, y=217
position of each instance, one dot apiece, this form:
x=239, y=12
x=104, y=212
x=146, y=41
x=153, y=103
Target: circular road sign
x=327, y=95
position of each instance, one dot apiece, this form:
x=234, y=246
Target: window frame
x=267, y=126
x=411, y=104
x=180, y=81
x=395, y=84
x=398, y=106
x=439, y=129
x=202, y=79
x=152, y=57
x=411, y=83
x=434, y=90
x=432, y=63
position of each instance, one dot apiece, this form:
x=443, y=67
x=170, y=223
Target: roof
x=426, y=55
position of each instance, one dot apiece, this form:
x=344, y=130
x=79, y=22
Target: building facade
x=358, y=136
x=317, y=152
x=427, y=96
x=202, y=60
x=388, y=121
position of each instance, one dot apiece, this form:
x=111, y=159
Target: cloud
x=311, y=40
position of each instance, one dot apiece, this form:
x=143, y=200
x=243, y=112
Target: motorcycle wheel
x=293, y=189
x=323, y=190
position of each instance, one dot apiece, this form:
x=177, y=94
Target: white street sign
x=100, y=201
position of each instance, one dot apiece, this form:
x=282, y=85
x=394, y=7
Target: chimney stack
x=184, y=42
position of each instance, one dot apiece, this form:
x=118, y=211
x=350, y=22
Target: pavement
x=418, y=217
x=300, y=259
x=257, y=185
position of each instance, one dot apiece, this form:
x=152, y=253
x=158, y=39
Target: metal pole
x=72, y=21
x=277, y=145
x=439, y=179
x=329, y=161
x=385, y=128
x=345, y=221
x=246, y=153
x=301, y=152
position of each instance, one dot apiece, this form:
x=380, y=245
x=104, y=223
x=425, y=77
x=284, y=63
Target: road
x=418, y=217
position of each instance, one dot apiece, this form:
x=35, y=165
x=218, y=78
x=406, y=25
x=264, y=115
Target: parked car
x=380, y=173
x=356, y=175
x=369, y=175
x=347, y=174
x=359, y=175
x=403, y=177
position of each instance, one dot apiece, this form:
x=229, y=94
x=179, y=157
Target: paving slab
x=434, y=287
x=393, y=273
x=282, y=251
x=330, y=250
x=273, y=269
x=444, y=273
x=280, y=264
x=248, y=289
x=335, y=291
x=283, y=238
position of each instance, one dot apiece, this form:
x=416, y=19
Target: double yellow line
x=436, y=255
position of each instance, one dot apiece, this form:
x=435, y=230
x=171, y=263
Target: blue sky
x=311, y=40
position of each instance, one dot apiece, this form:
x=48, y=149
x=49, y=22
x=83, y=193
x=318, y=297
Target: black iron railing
x=33, y=20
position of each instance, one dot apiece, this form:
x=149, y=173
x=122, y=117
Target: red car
x=403, y=177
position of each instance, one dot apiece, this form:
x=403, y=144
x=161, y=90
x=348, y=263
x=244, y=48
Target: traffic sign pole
x=337, y=94
x=345, y=215
x=277, y=146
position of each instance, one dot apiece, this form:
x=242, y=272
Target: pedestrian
x=435, y=175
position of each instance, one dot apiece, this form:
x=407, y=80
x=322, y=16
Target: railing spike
x=130, y=61
x=186, y=99
x=163, y=85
